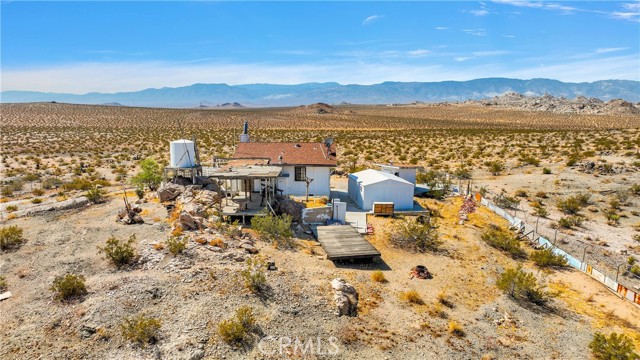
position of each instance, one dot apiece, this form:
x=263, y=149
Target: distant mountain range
x=258, y=95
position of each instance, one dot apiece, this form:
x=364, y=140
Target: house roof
x=294, y=153
x=400, y=166
x=370, y=176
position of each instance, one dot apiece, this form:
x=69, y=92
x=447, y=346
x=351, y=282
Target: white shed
x=369, y=186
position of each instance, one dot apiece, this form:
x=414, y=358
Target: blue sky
x=81, y=47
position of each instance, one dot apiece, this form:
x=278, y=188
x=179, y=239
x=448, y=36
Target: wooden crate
x=383, y=208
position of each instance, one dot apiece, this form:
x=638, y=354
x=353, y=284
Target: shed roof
x=293, y=153
x=370, y=176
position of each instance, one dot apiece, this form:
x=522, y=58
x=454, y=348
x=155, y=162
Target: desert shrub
x=546, y=171
x=50, y=182
x=6, y=191
x=11, y=208
x=530, y=160
x=631, y=260
x=495, y=167
x=141, y=329
x=95, y=195
x=69, y=287
x=612, y=347
x=503, y=240
x=411, y=296
x=120, y=253
x=573, y=204
x=37, y=192
x=570, y=222
x=253, y=275
x=36, y=200
x=140, y=193
x=3, y=284
x=541, y=211
x=455, y=329
x=521, y=193
x=236, y=331
x=378, y=276
x=275, y=229
x=522, y=285
x=635, y=270
x=462, y=172
x=635, y=189
x=506, y=202
x=150, y=175
x=176, y=245
x=437, y=182
x=11, y=237
x=413, y=235
x=547, y=258
x=78, y=183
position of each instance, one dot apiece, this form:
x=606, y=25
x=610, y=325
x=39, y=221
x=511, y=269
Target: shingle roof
x=370, y=176
x=299, y=153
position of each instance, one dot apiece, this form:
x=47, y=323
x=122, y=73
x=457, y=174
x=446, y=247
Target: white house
x=369, y=186
x=300, y=162
x=407, y=172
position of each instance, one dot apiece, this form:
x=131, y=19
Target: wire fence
x=537, y=240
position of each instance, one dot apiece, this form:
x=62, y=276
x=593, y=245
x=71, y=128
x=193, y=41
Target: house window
x=301, y=173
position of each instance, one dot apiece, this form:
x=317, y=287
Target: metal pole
x=537, y=223
x=555, y=235
x=618, y=270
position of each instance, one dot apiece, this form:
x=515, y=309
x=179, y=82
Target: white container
x=182, y=154
x=340, y=211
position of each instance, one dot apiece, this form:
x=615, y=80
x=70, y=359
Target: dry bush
x=141, y=329
x=505, y=241
x=69, y=287
x=254, y=276
x=237, y=330
x=3, y=284
x=11, y=238
x=412, y=235
x=120, y=253
x=547, y=258
x=176, y=245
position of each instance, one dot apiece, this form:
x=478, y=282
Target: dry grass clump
x=412, y=297
x=455, y=329
x=176, y=245
x=378, y=276
x=253, y=275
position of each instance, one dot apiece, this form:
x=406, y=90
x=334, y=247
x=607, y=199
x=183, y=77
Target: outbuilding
x=369, y=186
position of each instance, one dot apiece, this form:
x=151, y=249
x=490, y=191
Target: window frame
x=300, y=173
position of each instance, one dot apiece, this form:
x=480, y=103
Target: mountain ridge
x=262, y=95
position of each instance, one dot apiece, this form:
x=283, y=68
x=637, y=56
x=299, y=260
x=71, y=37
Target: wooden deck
x=343, y=242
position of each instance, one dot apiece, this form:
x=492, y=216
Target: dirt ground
x=192, y=292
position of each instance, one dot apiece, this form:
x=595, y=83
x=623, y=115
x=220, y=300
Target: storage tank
x=182, y=154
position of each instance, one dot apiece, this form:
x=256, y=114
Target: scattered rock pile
x=562, y=105
x=345, y=297
x=591, y=167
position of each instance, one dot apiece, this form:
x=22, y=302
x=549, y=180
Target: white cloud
x=441, y=28
x=509, y=36
x=628, y=11
x=609, y=50
x=418, y=52
x=462, y=58
x=481, y=12
x=371, y=19
x=475, y=32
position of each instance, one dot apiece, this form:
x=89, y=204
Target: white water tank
x=182, y=154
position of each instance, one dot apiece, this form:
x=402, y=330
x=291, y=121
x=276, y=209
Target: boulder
x=250, y=248
x=189, y=221
x=169, y=191
x=345, y=297
x=291, y=207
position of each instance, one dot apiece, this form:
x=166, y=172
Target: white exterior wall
x=319, y=187
x=400, y=194
x=355, y=192
x=408, y=174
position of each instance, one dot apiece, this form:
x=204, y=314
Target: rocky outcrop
x=345, y=297
x=561, y=105
x=169, y=191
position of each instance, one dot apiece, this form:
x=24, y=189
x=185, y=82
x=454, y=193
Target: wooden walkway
x=343, y=242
